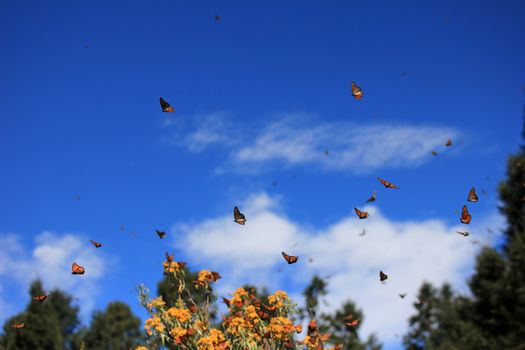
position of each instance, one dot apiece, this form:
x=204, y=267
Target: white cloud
x=410, y=252
x=301, y=139
x=50, y=261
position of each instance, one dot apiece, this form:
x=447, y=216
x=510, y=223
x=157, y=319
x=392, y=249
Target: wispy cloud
x=50, y=260
x=410, y=252
x=301, y=139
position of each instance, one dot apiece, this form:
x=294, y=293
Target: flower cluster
x=251, y=322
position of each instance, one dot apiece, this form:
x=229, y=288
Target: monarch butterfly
x=382, y=276
x=18, y=325
x=465, y=216
x=373, y=198
x=449, y=143
x=166, y=107
x=226, y=301
x=402, y=295
x=160, y=233
x=77, y=269
x=96, y=244
x=361, y=214
x=169, y=258
x=215, y=276
x=472, y=196
x=290, y=259
x=464, y=233
x=434, y=153
x=40, y=298
x=356, y=91
x=387, y=184
x=353, y=323
x=238, y=217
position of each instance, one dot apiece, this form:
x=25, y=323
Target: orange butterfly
x=449, y=143
x=472, y=196
x=77, y=269
x=387, y=184
x=169, y=258
x=238, y=217
x=361, y=214
x=215, y=276
x=18, y=325
x=373, y=198
x=40, y=298
x=160, y=233
x=353, y=323
x=465, y=216
x=96, y=244
x=290, y=259
x=356, y=91
x=382, y=276
x=166, y=107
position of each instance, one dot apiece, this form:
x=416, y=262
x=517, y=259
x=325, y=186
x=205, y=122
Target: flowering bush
x=249, y=324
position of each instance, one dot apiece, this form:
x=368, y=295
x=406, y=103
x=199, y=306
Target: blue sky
x=258, y=97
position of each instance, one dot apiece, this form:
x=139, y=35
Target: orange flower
x=181, y=314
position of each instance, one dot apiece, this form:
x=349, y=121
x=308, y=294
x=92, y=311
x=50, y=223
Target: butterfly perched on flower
x=40, y=298
x=18, y=325
x=356, y=91
x=382, y=276
x=373, y=198
x=169, y=258
x=463, y=233
x=160, y=233
x=96, y=244
x=76, y=269
x=238, y=217
x=465, y=216
x=361, y=214
x=166, y=107
x=387, y=184
x=472, y=196
x=290, y=259
x=449, y=143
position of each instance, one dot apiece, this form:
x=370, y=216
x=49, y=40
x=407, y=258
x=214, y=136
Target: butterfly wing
x=449, y=143
x=290, y=259
x=160, y=233
x=382, y=276
x=238, y=217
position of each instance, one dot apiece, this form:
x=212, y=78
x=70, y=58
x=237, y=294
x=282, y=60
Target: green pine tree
x=114, y=329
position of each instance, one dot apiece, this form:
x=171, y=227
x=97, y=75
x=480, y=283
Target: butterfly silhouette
x=373, y=198
x=290, y=259
x=40, y=298
x=160, y=233
x=449, y=143
x=464, y=233
x=362, y=233
x=434, y=153
x=77, y=269
x=361, y=214
x=465, y=216
x=356, y=91
x=472, y=196
x=169, y=258
x=96, y=244
x=382, y=276
x=238, y=217
x=226, y=301
x=166, y=107
x=402, y=295
x=387, y=184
